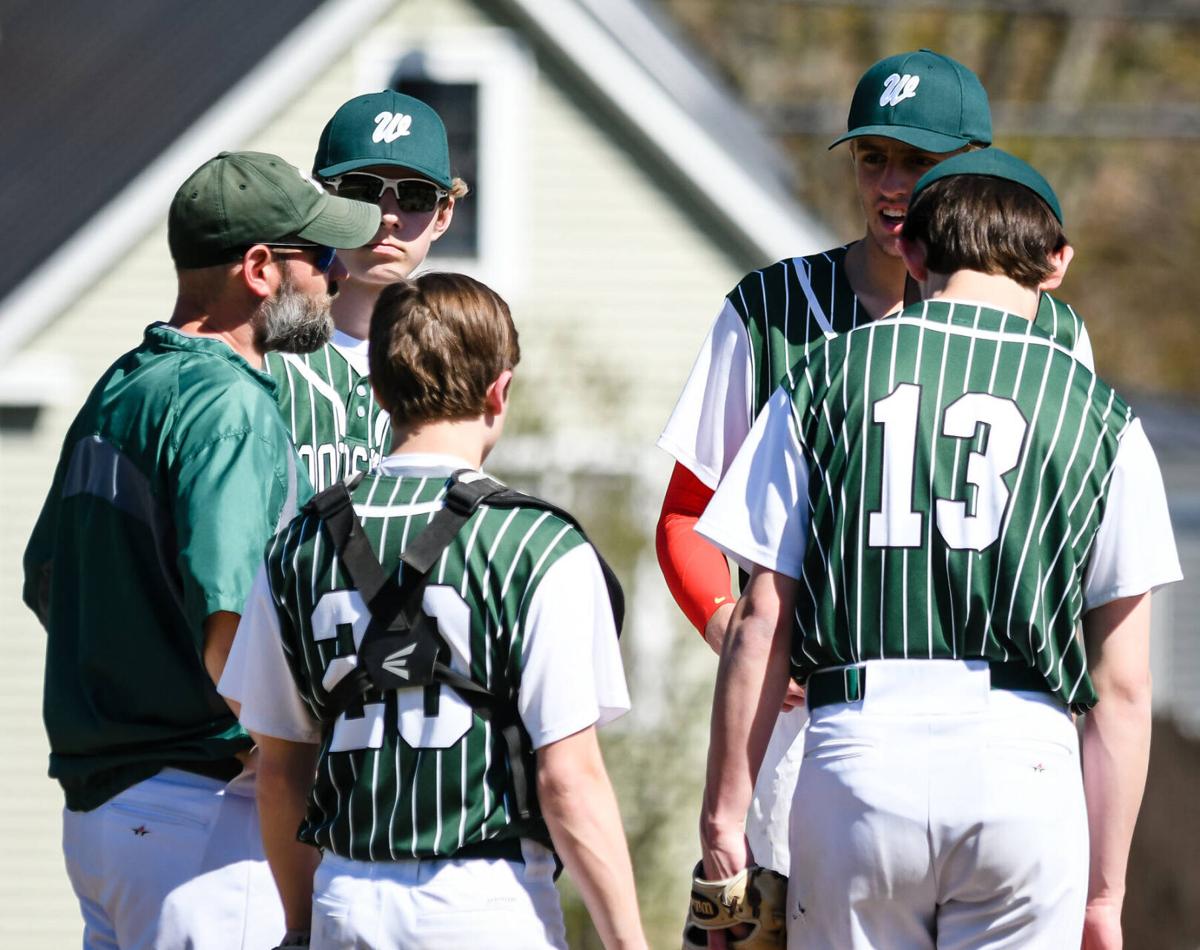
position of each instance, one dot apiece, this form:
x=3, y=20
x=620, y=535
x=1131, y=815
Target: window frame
x=502, y=68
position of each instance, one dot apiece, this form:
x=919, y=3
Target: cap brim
x=342, y=223
x=918, y=138
x=332, y=171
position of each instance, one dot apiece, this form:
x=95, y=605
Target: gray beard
x=293, y=321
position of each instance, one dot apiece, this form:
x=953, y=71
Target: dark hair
x=437, y=344
x=986, y=224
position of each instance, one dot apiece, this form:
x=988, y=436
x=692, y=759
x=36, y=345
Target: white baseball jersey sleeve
x=715, y=410
x=759, y=514
x=1134, y=551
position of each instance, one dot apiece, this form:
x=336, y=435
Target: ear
x=441, y=221
x=255, y=274
x=1060, y=260
x=497, y=394
x=914, y=254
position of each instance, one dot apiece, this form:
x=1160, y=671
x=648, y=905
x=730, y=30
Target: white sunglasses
x=413, y=195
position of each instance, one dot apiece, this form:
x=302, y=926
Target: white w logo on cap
x=897, y=88
x=389, y=127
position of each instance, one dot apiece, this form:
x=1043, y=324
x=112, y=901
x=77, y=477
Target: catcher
x=441, y=788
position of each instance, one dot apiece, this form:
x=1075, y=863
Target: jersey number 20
x=897, y=524
x=453, y=720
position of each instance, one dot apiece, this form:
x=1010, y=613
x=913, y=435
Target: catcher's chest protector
x=402, y=647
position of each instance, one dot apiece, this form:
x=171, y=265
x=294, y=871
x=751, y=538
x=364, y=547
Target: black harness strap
x=334, y=507
x=401, y=647
x=483, y=489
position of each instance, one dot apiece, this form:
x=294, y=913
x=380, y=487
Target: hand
x=794, y=696
x=1102, y=926
x=718, y=626
x=716, y=938
x=724, y=857
x=746, y=907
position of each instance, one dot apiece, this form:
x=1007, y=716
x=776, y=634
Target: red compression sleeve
x=696, y=572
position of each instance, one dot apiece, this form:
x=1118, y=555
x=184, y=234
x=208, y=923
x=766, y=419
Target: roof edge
x=657, y=41
x=301, y=55
x=768, y=221
x=759, y=216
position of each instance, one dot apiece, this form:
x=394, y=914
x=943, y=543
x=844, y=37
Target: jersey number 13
x=897, y=524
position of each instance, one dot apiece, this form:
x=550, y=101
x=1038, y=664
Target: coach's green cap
x=384, y=128
x=922, y=98
x=992, y=163
x=242, y=198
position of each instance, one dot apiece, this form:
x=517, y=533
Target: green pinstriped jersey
x=793, y=303
x=959, y=462
x=338, y=427
x=403, y=780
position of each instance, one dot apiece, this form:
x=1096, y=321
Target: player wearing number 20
x=416, y=805
x=931, y=507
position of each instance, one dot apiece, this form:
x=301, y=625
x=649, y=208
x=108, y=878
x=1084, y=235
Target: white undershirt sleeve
x=257, y=674
x=1083, y=348
x=714, y=412
x=571, y=675
x=1134, y=551
x=759, y=514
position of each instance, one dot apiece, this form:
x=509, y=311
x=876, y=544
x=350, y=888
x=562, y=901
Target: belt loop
x=852, y=682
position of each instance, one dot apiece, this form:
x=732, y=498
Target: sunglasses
x=413, y=195
x=325, y=255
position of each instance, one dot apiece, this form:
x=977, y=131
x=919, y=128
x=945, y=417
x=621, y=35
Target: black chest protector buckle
x=401, y=647
x=401, y=658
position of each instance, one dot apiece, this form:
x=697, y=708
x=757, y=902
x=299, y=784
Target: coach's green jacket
x=172, y=478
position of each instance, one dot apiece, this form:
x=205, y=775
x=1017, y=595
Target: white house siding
x=617, y=285
x=622, y=286
x=36, y=907
x=617, y=290
x=34, y=901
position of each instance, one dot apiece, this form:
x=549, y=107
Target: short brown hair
x=437, y=343
x=986, y=224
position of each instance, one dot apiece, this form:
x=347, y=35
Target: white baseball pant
x=438, y=904
x=175, y=861
x=771, y=808
x=938, y=812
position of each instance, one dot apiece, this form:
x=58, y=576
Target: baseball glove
x=754, y=896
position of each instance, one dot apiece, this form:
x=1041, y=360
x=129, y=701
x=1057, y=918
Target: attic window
x=458, y=105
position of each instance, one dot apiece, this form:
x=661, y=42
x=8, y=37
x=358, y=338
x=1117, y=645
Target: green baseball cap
x=925, y=99
x=242, y=198
x=992, y=163
x=384, y=128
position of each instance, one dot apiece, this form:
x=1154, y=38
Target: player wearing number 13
x=419, y=805
x=909, y=112
x=931, y=507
